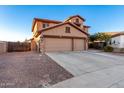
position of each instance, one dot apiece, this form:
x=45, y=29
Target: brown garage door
x=78, y=44
x=58, y=44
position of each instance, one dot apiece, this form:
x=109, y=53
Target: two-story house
x=52, y=35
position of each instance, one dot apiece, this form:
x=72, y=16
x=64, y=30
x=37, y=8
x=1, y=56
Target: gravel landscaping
x=30, y=70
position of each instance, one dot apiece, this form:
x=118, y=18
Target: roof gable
x=76, y=27
x=43, y=20
x=74, y=17
x=53, y=21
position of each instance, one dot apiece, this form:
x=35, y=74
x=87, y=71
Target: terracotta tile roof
x=75, y=16
x=111, y=33
x=44, y=20
x=86, y=26
x=45, y=29
x=118, y=34
x=47, y=20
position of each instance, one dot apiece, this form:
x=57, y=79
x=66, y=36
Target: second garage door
x=78, y=44
x=58, y=44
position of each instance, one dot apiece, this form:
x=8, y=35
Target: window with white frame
x=45, y=25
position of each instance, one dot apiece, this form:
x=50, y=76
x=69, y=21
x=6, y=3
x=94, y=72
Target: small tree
x=103, y=37
x=93, y=37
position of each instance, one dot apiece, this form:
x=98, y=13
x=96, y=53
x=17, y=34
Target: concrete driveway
x=91, y=69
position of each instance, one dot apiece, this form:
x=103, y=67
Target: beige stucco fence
x=3, y=47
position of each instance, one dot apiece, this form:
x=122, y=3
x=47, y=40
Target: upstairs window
x=45, y=25
x=77, y=20
x=67, y=30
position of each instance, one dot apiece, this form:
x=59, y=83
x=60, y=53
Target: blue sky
x=16, y=21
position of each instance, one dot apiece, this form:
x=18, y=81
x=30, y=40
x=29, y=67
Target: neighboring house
x=51, y=35
x=117, y=40
x=100, y=44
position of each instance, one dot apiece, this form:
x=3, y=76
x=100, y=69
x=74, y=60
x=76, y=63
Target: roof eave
x=43, y=20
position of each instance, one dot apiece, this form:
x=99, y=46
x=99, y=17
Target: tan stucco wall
x=86, y=29
x=73, y=20
x=35, y=29
x=80, y=21
x=40, y=25
x=61, y=31
x=35, y=43
x=3, y=47
x=86, y=42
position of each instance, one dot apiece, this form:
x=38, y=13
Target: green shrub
x=108, y=49
x=122, y=50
